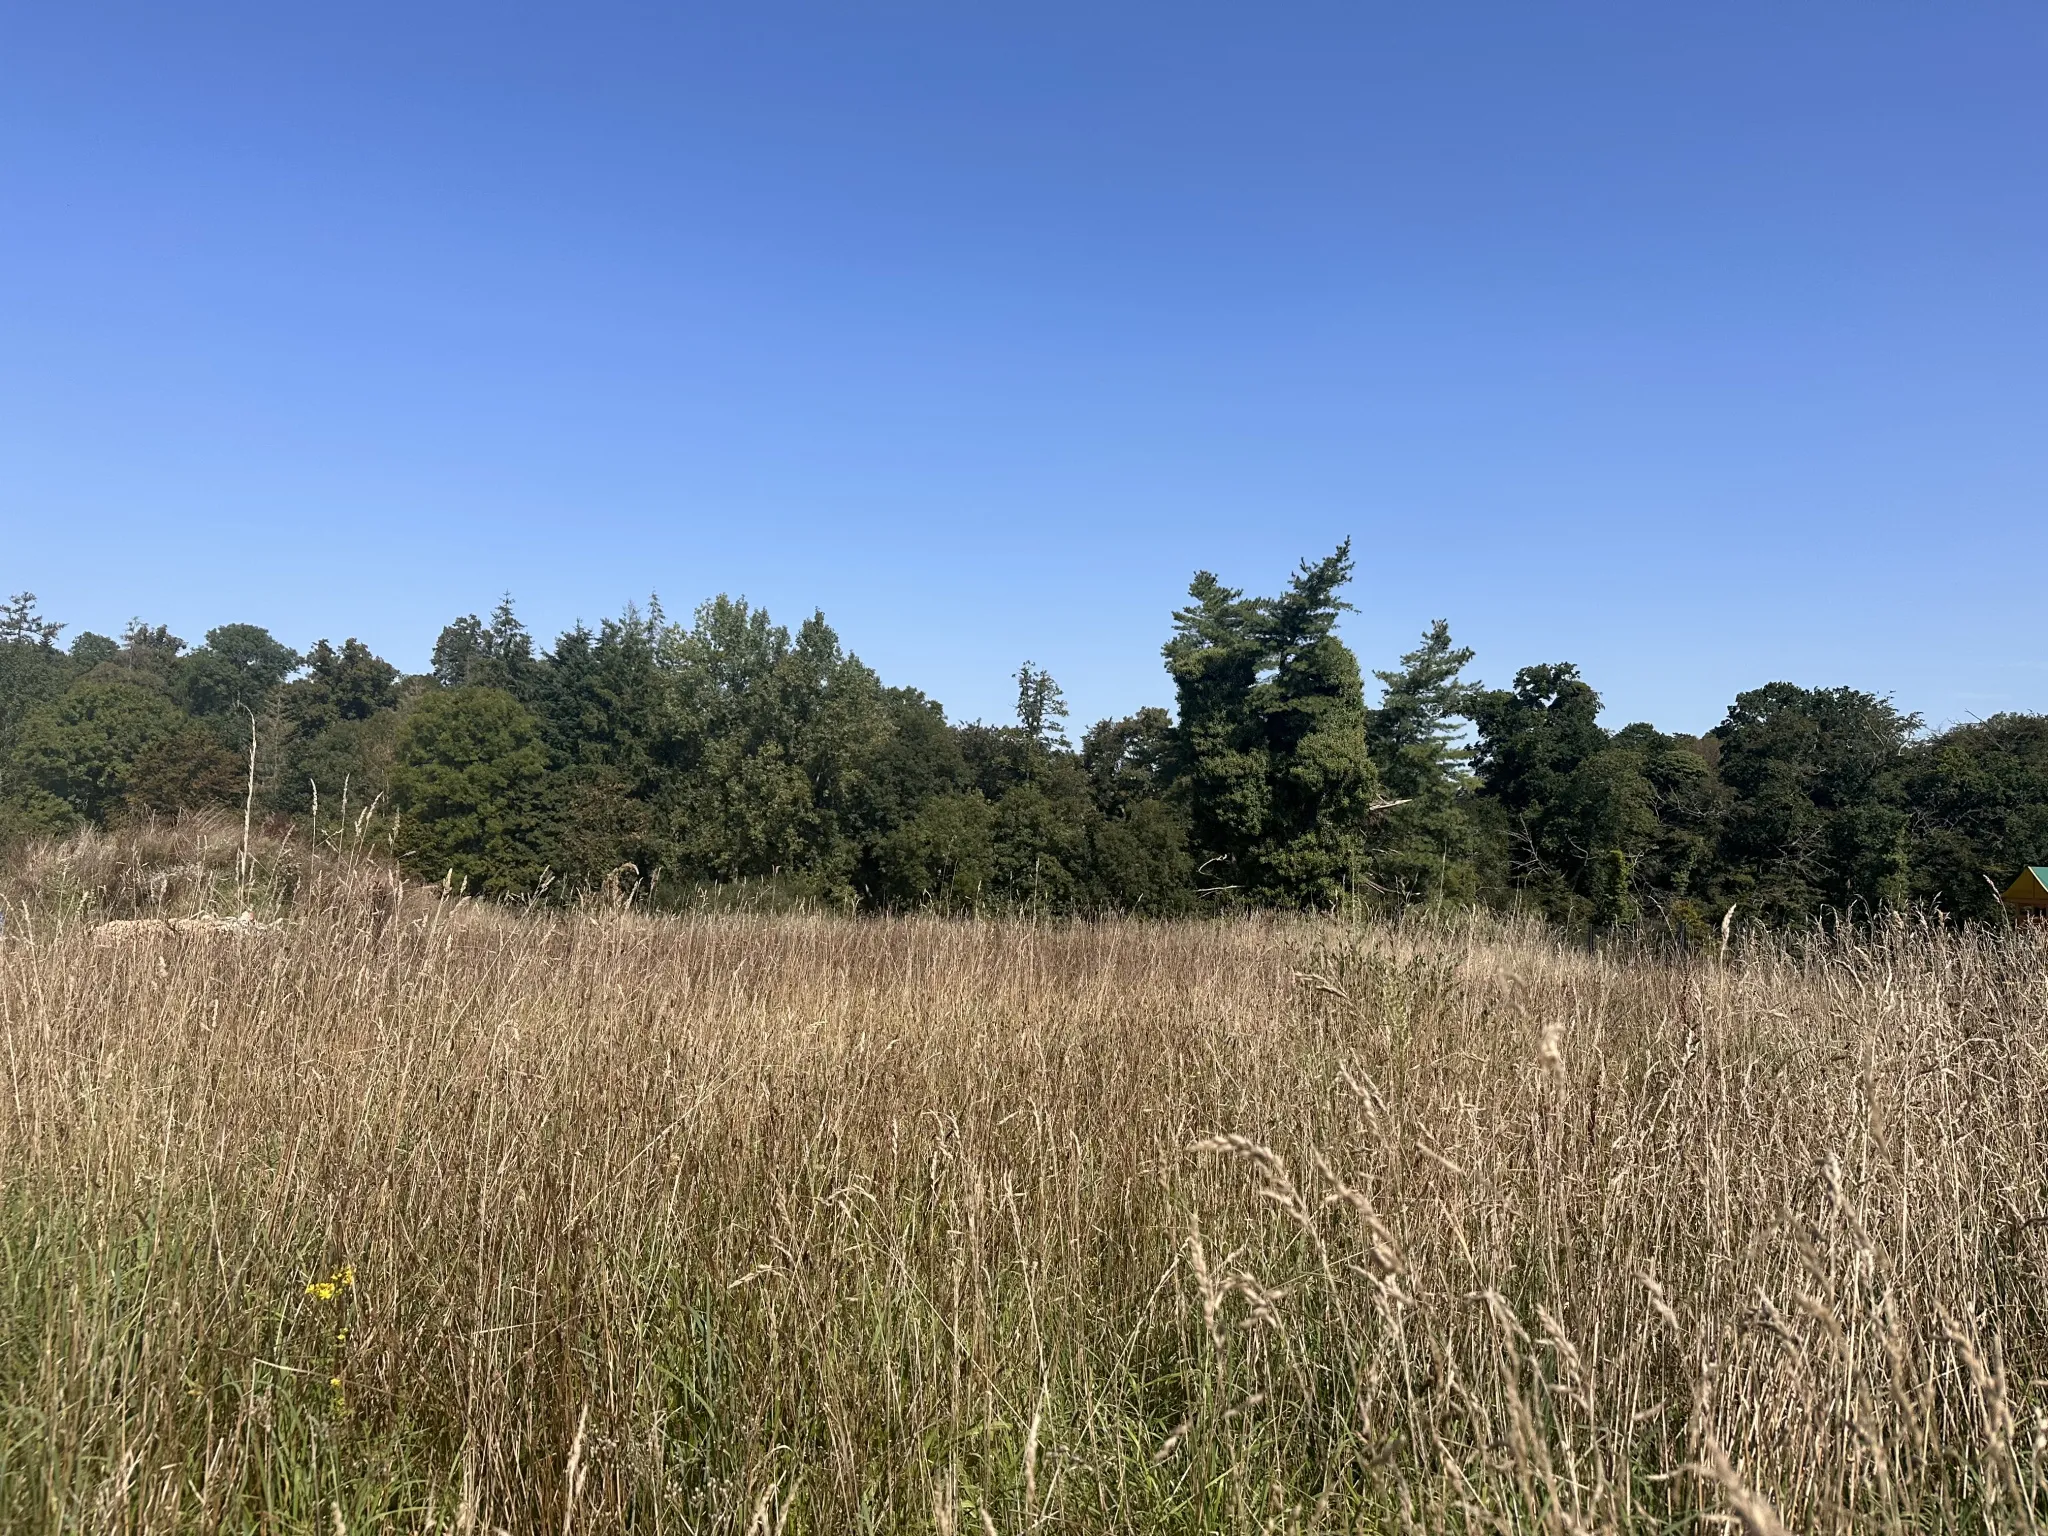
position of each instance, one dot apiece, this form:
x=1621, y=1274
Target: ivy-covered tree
x=90, y=650
x=1662, y=865
x=773, y=734
x=1128, y=761
x=150, y=654
x=1138, y=830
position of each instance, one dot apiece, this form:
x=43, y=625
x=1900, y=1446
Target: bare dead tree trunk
x=248, y=807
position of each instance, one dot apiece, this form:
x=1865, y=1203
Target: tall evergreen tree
x=1313, y=710
x=1221, y=765
x=1429, y=842
x=33, y=670
x=1271, y=746
x=470, y=653
x=606, y=711
x=81, y=749
x=351, y=683
x=22, y=624
x=469, y=775
x=1041, y=707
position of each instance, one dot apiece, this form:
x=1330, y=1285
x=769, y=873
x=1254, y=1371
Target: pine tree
x=1041, y=707
x=21, y=624
x=1271, y=749
x=1426, y=842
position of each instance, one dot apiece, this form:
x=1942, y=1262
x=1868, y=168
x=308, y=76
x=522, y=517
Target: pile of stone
x=133, y=929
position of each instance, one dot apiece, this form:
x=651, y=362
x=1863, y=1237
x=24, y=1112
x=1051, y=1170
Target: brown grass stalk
x=807, y=1224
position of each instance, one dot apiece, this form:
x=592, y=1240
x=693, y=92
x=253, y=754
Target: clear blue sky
x=1701, y=345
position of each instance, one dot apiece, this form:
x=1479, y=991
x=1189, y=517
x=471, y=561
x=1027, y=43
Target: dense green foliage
x=1272, y=739
x=731, y=754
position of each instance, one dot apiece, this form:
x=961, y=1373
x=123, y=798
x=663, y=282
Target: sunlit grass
x=416, y=1215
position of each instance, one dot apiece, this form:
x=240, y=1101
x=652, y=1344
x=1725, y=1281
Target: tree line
x=731, y=751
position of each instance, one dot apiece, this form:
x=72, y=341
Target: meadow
x=414, y=1214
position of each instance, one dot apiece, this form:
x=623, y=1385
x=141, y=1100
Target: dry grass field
x=413, y=1216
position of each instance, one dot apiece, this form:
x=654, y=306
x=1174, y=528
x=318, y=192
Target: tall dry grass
x=430, y=1217
x=172, y=867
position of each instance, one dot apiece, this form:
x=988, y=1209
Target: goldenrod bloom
x=333, y=1285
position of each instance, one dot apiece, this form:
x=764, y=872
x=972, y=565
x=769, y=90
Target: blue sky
x=1702, y=346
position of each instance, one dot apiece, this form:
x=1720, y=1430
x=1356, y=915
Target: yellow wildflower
x=333, y=1285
